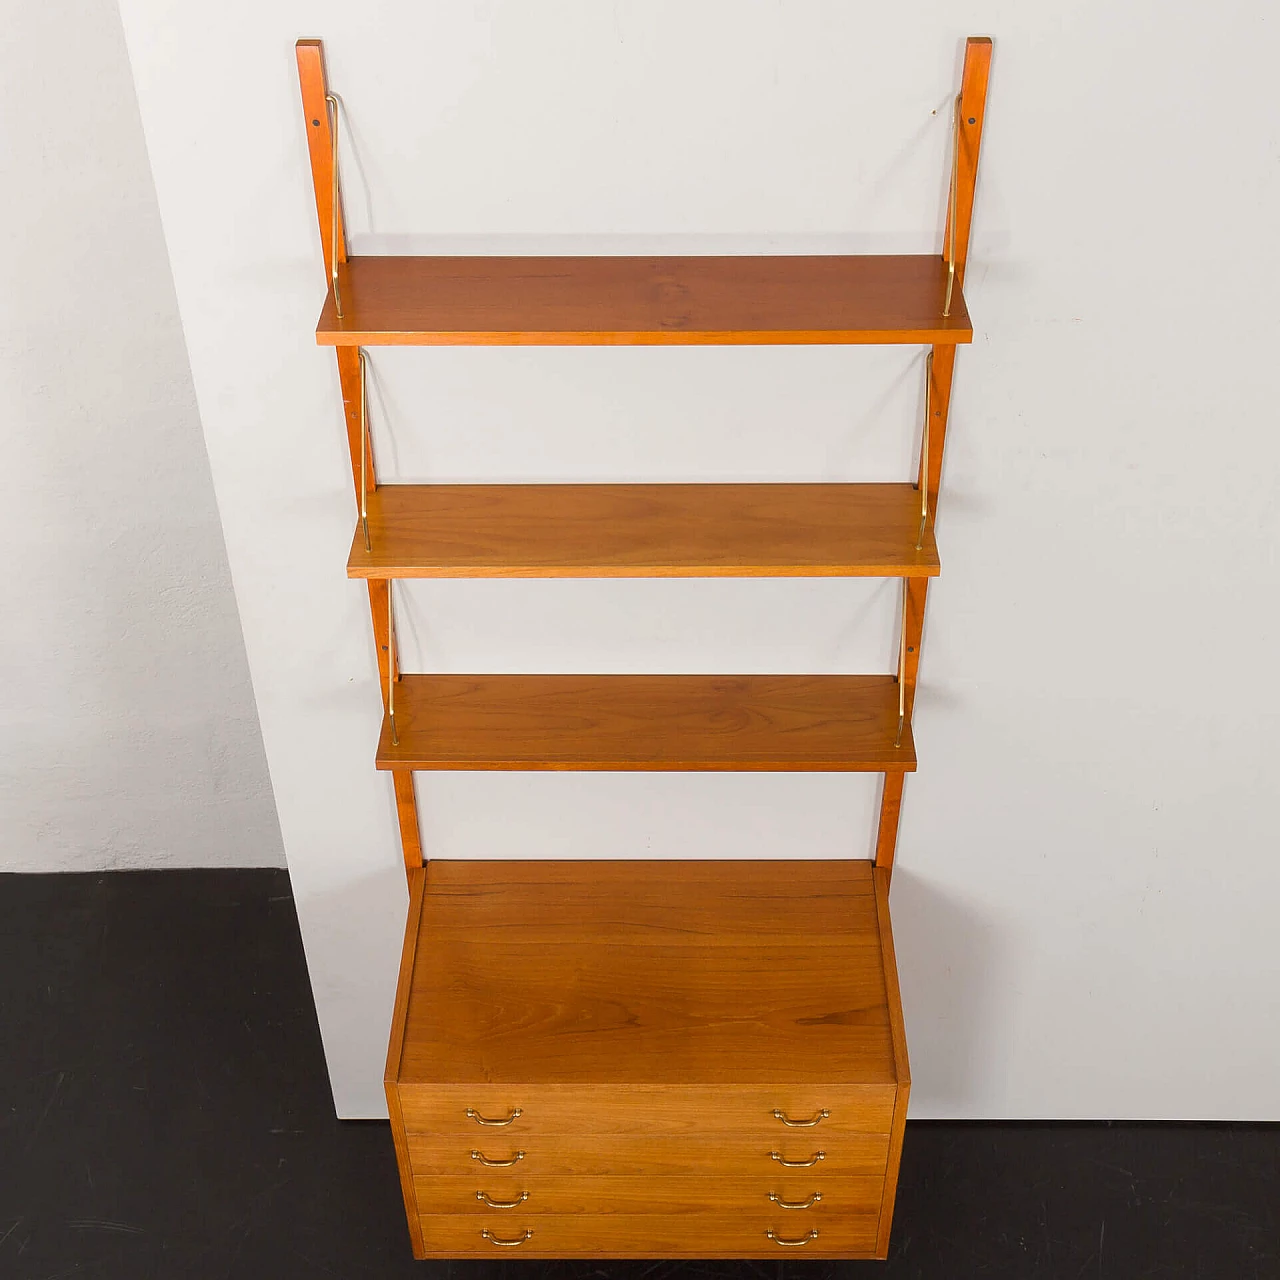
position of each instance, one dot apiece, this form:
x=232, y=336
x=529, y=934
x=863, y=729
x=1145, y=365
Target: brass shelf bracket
x=393, y=661
x=364, y=448
x=924, y=453
x=953, y=203
x=333, y=106
x=902, y=669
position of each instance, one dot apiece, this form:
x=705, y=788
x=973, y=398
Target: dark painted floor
x=165, y=1113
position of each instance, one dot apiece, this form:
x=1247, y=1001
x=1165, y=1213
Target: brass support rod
x=902, y=669
x=955, y=193
x=392, y=661
x=364, y=448
x=332, y=103
x=924, y=454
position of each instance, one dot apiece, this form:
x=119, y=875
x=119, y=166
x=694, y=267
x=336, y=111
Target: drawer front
x=521, y=1111
x=844, y=1155
x=505, y=1194
x=705, y=1235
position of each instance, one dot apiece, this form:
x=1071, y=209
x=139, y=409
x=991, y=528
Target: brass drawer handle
x=795, y=1204
x=798, y=1164
x=492, y=1239
x=473, y=1114
x=813, y=1235
x=800, y=1124
x=484, y=1198
x=497, y=1164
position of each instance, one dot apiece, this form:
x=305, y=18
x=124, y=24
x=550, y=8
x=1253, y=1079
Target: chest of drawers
x=648, y=1059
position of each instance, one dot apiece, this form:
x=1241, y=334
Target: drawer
x=502, y=1195
x=689, y=1235
x=723, y=1155
x=520, y=1111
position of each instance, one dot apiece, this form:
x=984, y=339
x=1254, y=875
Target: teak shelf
x=390, y=301
x=647, y=1059
x=644, y=531
x=688, y=723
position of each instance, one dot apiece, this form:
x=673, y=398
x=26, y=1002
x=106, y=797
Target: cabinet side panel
x=901, y=1063
x=896, y=1135
x=407, y=1187
x=413, y=921
x=417, y=877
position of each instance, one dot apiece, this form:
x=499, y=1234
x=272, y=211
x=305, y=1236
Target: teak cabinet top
x=651, y=973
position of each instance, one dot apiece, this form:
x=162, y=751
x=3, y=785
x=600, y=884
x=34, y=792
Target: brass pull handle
x=812, y=1235
x=492, y=1239
x=795, y=1204
x=473, y=1114
x=800, y=1124
x=497, y=1164
x=485, y=1198
x=798, y=1164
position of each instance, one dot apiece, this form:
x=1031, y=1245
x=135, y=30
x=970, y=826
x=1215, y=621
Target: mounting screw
x=911, y=648
x=317, y=123
x=973, y=120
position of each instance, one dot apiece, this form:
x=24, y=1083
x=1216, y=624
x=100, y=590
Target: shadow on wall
x=360, y=922
x=948, y=956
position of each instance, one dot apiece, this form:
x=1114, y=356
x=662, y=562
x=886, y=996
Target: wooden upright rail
x=970, y=109
x=321, y=117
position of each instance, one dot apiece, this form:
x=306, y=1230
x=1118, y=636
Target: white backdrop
x=128, y=735
x=1087, y=874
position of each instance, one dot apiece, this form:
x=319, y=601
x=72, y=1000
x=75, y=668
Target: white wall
x=128, y=736
x=1088, y=870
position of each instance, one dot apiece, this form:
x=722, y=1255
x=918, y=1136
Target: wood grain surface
x=641, y=1012
x=647, y=722
x=314, y=84
x=581, y=1002
x=407, y=817
x=642, y=530
x=860, y=1155
x=697, y=1109
x=618, y=1235
x=623, y=1194
x=734, y=903
x=643, y=301
x=901, y=1066
x=399, y=1137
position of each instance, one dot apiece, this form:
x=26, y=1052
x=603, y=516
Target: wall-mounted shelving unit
x=647, y=1059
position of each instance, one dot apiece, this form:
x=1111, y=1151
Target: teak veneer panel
x=583, y=1106
x=615, y=1021
x=618, y=1235
x=643, y=301
x=862, y=1155
x=404, y=983
x=628, y=722
x=629, y=1065
x=643, y=530
x=623, y=1194
x=519, y=902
